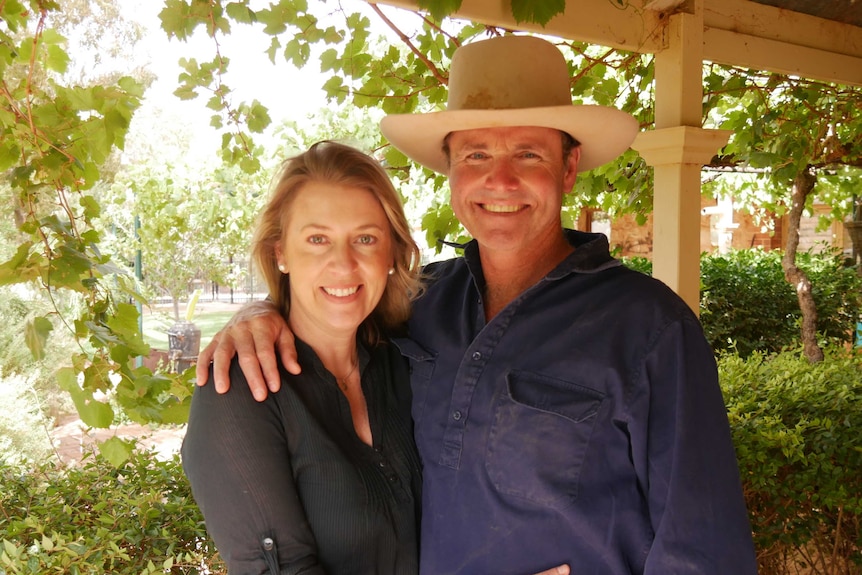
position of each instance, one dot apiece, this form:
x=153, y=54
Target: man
x=567, y=409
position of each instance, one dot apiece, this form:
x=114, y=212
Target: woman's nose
x=343, y=257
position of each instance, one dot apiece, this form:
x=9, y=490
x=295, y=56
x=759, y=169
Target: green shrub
x=796, y=430
x=745, y=302
x=96, y=519
x=639, y=263
x=837, y=291
x=746, y=305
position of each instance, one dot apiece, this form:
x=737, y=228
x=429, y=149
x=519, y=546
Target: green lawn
x=156, y=327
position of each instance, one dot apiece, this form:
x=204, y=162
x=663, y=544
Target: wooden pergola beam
x=736, y=32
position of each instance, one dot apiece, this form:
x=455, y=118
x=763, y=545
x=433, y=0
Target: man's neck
x=509, y=274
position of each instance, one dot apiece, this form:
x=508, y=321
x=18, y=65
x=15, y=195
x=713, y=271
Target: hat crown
x=508, y=72
x=505, y=82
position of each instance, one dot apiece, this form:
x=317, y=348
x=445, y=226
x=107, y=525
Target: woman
x=323, y=476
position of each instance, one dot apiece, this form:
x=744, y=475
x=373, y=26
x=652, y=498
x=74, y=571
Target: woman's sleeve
x=235, y=455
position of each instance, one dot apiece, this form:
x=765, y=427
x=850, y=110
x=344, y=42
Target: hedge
x=796, y=428
x=746, y=305
x=96, y=519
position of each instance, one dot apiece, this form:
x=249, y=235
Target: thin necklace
x=342, y=382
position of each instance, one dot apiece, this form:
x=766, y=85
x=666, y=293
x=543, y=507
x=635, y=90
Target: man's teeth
x=341, y=292
x=502, y=208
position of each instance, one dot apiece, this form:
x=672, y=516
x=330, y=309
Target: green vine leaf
x=439, y=9
x=124, y=324
x=36, y=334
x=116, y=450
x=240, y=12
x=539, y=12
x=92, y=411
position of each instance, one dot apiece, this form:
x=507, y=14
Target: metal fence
x=250, y=288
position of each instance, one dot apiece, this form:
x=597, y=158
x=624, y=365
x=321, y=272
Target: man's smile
x=502, y=208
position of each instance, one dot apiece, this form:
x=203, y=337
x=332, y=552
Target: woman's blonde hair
x=332, y=162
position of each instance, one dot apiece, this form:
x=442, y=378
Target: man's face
x=508, y=184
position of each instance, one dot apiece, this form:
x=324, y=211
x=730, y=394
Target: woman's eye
x=317, y=239
x=367, y=239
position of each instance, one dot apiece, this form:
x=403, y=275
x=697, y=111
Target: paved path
x=71, y=438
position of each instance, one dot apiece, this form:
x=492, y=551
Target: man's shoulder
x=434, y=271
x=633, y=292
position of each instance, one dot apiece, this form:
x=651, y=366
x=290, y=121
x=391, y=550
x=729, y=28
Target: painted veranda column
x=677, y=149
x=677, y=156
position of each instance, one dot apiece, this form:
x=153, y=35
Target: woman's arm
x=235, y=454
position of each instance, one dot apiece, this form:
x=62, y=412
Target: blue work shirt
x=583, y=424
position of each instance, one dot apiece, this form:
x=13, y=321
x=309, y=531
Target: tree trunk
x=802, y=187
x=175, y=300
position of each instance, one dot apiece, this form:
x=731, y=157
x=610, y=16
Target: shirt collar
x=591, y=255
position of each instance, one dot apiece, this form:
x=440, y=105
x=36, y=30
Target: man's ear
x=570, y=170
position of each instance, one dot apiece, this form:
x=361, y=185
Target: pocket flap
x=565, y=398
x=412, y=350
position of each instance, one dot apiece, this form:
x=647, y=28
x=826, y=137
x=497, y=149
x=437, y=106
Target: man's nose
x=502, y=174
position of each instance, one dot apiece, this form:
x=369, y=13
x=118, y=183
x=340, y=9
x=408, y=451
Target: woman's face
x=337, y=248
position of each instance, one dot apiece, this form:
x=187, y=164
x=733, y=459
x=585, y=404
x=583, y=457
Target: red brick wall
x=632, y=239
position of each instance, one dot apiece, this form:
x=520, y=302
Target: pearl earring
x=391, y=271
x=281, y=268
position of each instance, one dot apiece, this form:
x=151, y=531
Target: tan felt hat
x=511, y=81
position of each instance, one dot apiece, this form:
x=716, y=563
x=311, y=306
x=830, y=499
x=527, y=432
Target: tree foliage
x=185, y=224
x=792, y=132
x=55, y=138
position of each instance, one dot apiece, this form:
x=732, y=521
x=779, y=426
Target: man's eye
x=477, y=156
x=367, y=239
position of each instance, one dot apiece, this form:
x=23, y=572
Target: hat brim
x=603, y=132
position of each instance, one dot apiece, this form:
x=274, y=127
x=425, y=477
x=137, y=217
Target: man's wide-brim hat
x=511, y=81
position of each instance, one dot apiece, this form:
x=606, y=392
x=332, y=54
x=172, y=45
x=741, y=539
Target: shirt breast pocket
x=540, y=432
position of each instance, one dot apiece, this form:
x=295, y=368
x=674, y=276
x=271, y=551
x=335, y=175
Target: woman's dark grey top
x=286, y=486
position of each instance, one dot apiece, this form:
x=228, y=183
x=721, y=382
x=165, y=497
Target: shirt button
x=477, y=355
x=456, y=415
x=268, y=543
x=381, y=463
